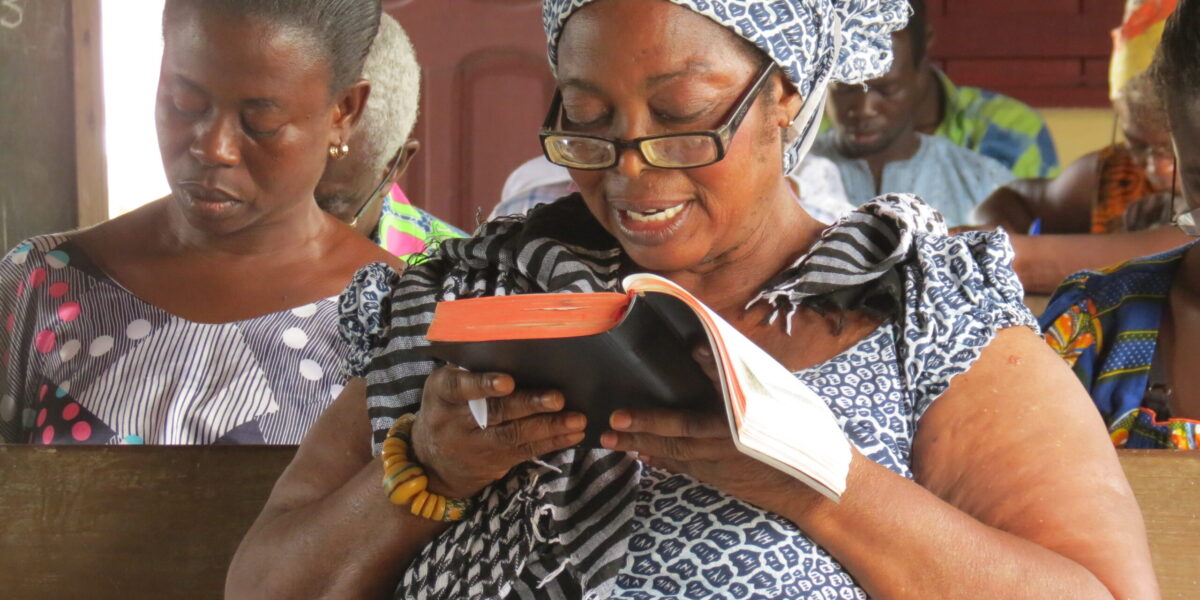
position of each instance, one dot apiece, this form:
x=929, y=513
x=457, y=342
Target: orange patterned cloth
x=1122, y=182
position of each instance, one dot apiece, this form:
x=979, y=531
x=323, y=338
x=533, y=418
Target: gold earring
x=339, y=152
x=791, y=122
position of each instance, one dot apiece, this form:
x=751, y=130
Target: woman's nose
x=215, y=144
x=630, y=163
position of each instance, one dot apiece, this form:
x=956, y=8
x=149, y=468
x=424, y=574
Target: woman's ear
x=348, y=110
x=789, y=103
x=409, y=150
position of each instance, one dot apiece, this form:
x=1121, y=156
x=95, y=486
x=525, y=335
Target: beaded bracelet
x=404, y=481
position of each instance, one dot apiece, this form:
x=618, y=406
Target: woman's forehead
x=213, y=50
x=654, y=42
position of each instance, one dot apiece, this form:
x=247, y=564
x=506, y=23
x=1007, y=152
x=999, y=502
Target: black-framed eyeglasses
x=671, y=151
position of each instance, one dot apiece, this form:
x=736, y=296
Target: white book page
x=785, y=424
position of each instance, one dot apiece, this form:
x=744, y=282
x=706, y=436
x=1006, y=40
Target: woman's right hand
x=460, y=458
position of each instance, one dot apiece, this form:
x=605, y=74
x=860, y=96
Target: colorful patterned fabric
x=597, y=524
x=406, y=231
x=1123, y=181
x=87, y=362
x=1105, y=325
x=999, y=127
x=814, y=42
x=1135, y=41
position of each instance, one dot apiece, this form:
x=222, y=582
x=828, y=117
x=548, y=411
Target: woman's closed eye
x=188, y=104
x=677, y=116
x=261, y=123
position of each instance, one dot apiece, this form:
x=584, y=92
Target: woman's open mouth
x=654, y=215
x=652, y=225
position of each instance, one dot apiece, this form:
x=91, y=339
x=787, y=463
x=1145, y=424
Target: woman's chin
x=666, y=258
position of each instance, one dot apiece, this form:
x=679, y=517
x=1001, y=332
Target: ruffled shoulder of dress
x=959, y=291
x=364, y=310
x=35, y=250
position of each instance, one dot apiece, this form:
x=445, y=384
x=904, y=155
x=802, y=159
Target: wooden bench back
x=1167, y=486
x=128, y=521
x=162, y=522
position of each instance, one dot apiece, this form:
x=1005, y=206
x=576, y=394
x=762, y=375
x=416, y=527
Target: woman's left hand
x=700, y=445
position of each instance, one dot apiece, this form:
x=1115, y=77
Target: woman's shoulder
x=38, y=252
x=959, y=292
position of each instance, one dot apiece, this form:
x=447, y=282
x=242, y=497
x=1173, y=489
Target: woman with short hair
x=207, y=316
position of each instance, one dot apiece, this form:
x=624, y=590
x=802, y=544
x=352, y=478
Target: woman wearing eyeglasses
x=678, y=121
x=208, y=316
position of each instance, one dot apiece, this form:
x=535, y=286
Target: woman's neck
x=728, y=282
x=288, y=231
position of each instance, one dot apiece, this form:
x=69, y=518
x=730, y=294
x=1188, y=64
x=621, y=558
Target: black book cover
x=644, y=361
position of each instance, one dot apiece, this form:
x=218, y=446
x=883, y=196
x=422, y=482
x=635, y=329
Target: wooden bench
x=135, y=522
x=1167, y=486
x=128, y=522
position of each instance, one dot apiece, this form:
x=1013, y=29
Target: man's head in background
x=878, y=117
x=379, y=147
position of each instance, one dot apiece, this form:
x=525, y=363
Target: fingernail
x=496, y=381
x=608, y=440
x=548, y=401
x=704, y=352
x=620, y=420
x=576, y=422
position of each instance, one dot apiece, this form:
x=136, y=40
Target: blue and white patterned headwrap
x=814, y=42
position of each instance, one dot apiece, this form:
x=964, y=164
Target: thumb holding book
x=458, y=456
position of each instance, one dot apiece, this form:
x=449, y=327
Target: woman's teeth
x=651, y=216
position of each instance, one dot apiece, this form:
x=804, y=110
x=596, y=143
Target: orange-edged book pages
x=607, y=351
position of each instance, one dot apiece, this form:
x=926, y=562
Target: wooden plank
x=91, y=173
x=1059, y=97
x=994, y=72
x=1047, y=36
x=1013, y=7
x=1167, y=486
x=128, y=522
x=37, y=115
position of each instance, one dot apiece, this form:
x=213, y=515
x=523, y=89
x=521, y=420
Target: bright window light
x=131, y=38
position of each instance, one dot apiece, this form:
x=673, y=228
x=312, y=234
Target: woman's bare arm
x=1064, y=204
x=1044, y=261
x=1020, y=496
x=327, y=530
x=1018, y=492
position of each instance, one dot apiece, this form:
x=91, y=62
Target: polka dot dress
x=86, y=362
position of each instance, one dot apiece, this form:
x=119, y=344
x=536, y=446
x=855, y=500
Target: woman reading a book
x=966, y=479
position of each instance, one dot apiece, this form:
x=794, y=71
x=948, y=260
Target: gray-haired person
x=361, y=188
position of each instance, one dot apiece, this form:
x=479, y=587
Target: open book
x=608, y=350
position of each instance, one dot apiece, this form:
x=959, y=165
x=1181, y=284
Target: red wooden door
x=485, y=88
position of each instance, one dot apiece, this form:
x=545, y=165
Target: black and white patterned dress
x=87, y=362
x=597, y=524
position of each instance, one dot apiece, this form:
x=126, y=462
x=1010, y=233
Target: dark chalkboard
x=37, y=119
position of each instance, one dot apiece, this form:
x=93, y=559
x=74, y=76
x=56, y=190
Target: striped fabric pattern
x=566, y=525
x=85, y=361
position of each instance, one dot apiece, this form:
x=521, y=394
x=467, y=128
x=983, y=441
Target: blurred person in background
x=362, y=189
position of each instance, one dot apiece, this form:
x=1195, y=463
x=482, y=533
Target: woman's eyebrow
x=651, y=81
x=690, y=68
